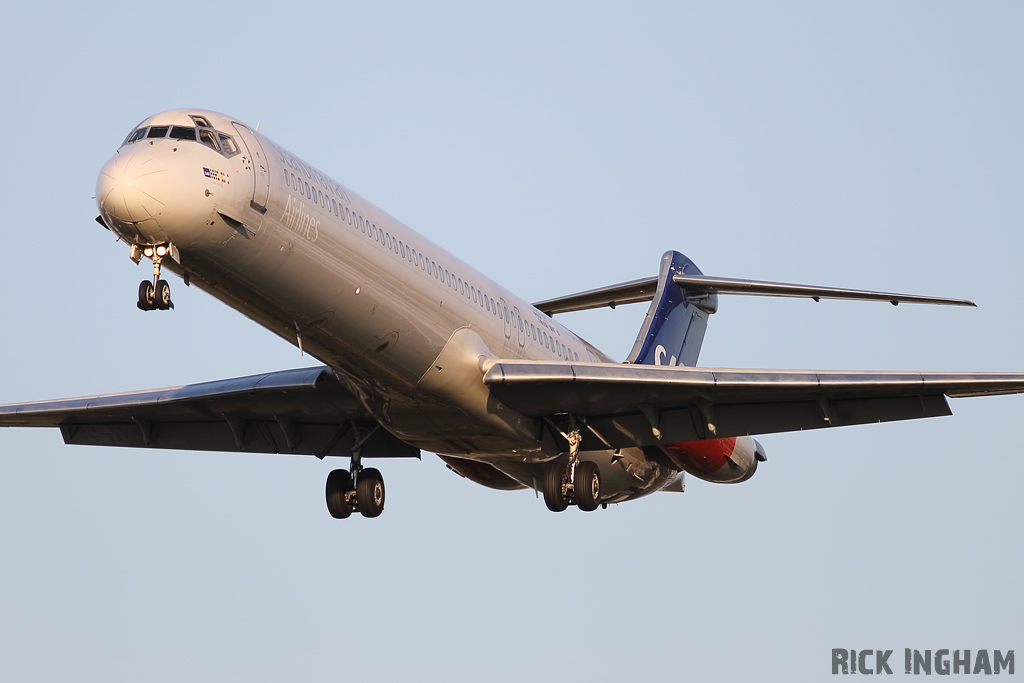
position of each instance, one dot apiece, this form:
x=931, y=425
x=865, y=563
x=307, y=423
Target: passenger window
x=334, y=205
x=183, y=133
x=286, y=181
x=533, y=331
x=401, y=248
x=320, y=195
x=307, y=190
x=227, y=145
x=294, y=186
x=208, y=138
x=201, y=121
x=158, y=132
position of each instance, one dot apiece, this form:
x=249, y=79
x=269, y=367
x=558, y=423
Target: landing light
x=161, y=251
x=148, y=251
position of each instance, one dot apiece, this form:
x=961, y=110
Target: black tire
x=554, y=477
x=162, y=295
x=370, y=493
x=587, y=486
x=339, y=482
x=146, y=299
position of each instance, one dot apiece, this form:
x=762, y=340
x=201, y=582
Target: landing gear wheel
x=162, y=295
x=147, y=300
x=587, y=487
x=554, y=478
x=370, y=493
x=339, y=485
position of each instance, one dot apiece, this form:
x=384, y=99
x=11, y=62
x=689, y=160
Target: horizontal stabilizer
x=626, y=293
x=727, y=285
x=644, y=289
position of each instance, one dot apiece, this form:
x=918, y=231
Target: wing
x=306, y=411
x=642, y=405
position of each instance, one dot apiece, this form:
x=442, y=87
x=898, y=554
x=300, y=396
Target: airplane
x=421, y=352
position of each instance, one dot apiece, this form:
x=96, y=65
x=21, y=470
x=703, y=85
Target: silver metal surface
x=725, y=285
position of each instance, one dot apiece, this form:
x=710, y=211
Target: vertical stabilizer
x=674, y=327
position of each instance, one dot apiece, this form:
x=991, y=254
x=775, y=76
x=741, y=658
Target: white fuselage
x=405, y=323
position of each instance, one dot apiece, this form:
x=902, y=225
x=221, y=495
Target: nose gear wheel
x=155, y=295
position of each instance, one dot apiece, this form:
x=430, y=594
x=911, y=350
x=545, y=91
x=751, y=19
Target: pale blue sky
x=558, y=148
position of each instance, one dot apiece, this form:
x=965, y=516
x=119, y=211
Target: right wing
x=644, y=405
x=306, y=411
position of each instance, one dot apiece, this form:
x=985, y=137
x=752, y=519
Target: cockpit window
x=208, y=138
x=204, y=134
x=136, y=135
x=183, y=133
x=227, y=145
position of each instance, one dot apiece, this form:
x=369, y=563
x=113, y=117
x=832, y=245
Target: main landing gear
x=155, y=295
x=578, y=482
x=356, y=489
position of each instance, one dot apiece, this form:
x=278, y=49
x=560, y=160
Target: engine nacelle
x=723, y=461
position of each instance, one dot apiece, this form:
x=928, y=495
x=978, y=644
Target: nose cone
x=132, y=192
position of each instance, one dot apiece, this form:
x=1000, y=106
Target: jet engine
x=723, y=461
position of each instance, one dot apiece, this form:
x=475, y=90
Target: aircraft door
x=518, y=320
x=259, y=166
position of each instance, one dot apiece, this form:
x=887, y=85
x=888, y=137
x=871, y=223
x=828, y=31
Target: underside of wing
x=306, y=411
x=642, y=405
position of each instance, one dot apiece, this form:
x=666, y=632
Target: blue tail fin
x=674, y=327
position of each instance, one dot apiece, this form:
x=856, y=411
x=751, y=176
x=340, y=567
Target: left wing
x=306, y=411
x=643, y=405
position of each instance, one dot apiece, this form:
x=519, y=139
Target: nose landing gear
x=155, y=295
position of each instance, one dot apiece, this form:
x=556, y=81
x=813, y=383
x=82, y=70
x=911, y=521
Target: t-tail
x=674, y=327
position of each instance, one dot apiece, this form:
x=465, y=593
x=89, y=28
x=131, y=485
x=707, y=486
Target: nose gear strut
x=155, y=295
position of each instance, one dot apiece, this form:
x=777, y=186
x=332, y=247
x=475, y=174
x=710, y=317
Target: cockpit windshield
x=202, y=133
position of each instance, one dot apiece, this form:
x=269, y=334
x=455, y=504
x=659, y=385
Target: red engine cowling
x=723, y=461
